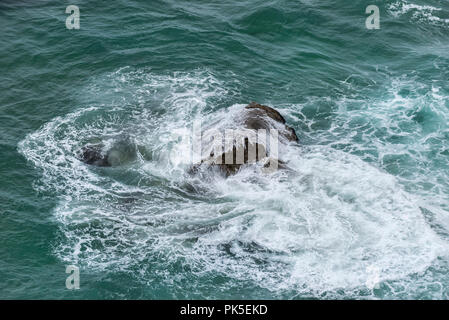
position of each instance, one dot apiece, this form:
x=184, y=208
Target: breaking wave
x=335, y=225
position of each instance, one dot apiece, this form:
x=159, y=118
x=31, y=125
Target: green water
x=369, y=201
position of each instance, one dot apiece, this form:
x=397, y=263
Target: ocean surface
x=364, y=213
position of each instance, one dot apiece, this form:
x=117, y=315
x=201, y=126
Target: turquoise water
x=365, y=213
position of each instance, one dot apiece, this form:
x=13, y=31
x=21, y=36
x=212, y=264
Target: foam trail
x=322, y=227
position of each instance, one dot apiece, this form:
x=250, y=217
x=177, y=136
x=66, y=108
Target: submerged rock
x=93, y=155
x=253, y=135
x=121, y=152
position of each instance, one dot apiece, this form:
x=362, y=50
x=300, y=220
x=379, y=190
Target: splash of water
x=322, y=226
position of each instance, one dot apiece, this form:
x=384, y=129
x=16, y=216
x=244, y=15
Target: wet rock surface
x=254, y=117
x=122, y=151
x=249, y=144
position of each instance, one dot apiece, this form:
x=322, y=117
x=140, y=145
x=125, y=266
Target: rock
x=93, y=155
x=254, y=117
x=246, y=145
x=257, y=115
x=122, y=151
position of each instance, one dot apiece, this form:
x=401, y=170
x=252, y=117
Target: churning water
x=362, y=212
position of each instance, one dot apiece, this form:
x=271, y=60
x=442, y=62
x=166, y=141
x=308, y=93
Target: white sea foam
x=421, y=13
x=322, y=226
